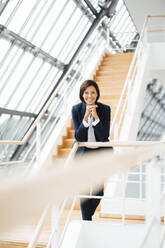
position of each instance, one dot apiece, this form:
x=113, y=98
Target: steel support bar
x=15, y=112
x=23, y=114
x=84, y=9
x=112, y=36
x=3, y=6
x=29, y=47
x=90, y=6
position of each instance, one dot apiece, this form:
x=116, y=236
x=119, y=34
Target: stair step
x=112, y=101
x=107, y=82
x=114, y=63
x=110, y=88
x=71, y=124
x=110, y=96
x=71, y=133
x=110, y=72
x=120, y=58
x=64, y=152
x=120, y=55
x=18, y=244
x=68, y=143
x=119, y=78
x=58, y=161
x=114, y=66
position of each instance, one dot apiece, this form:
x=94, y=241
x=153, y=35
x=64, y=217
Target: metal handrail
x=139, y=157
x=126, y=85
x=130, y=76
x=108, y=144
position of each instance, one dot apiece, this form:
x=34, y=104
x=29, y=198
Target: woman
x=91, y=121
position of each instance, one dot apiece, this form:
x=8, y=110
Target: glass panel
x=133, y=190
x=24, y=80
x=14, y=127
x=133, y=177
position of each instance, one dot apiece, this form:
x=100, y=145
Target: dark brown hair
x=85, y=85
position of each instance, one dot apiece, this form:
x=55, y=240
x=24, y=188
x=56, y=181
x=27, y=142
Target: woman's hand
x=94, y=112
x=90, y=110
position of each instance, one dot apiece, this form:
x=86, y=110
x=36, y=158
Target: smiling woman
x=91, y=120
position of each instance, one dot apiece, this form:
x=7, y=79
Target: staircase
x=110, y=77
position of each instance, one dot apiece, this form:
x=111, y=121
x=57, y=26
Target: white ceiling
x=139, y=9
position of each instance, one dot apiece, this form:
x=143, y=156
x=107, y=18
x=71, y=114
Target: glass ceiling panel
x=122, y=26
x=71, y=37
x=47, y=24
x=14, y=127
x=116, y=19
x=25, y=76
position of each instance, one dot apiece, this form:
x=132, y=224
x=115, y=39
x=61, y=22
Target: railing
x=132, y=73
x=122, y=104
x=52, y=180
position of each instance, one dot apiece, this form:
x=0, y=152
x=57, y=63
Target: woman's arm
x=103, y=127
x=79, y=128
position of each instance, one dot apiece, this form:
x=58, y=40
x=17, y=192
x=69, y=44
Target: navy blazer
x=101, y=130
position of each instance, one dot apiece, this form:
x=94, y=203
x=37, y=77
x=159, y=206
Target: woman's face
x=90, y=95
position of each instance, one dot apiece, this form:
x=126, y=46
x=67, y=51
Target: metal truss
x=29, y=47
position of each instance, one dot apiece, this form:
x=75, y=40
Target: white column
x=55, y=226
x=153, y=198
x=38, y=142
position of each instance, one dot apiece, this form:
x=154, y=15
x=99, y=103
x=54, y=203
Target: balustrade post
x=65, y=98
x=116, y=131
x=107, y=38
x=38, y=142
x=55, y=226
x=153, y=201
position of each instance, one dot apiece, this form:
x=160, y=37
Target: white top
x=90, y=124
x=94, y=123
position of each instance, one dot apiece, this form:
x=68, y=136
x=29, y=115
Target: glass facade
x=39, y=41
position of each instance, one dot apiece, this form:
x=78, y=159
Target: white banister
x=55, y=225
x=153, y=200
x=38, y=229
x=152, y=234
x=128, y=83
x=38, y=142
x=51, y=183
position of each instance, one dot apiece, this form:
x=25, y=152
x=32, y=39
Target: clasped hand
x=90, y=111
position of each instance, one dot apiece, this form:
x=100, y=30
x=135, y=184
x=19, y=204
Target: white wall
x=142, y=8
